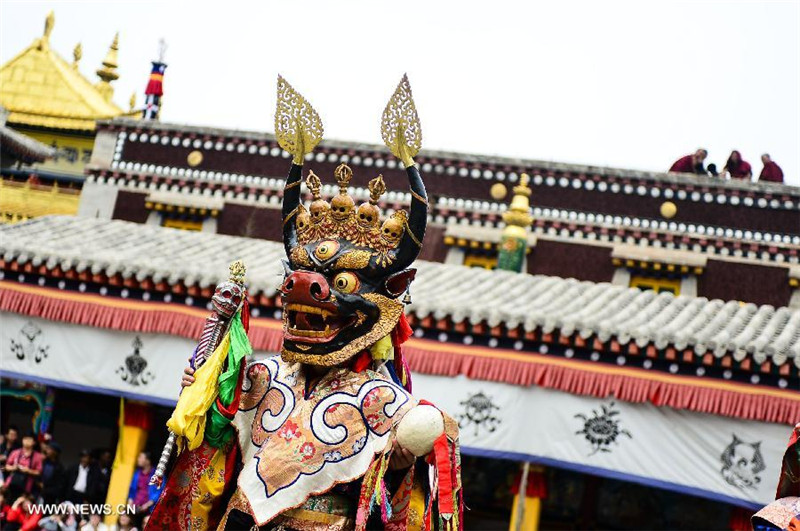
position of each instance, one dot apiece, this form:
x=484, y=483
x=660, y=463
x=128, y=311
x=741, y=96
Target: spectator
x=95, y=523
x=124, y=523
x=4, y=507
x=21, y=516
x=771, y=172
x=141, y=494
x=9, y=443
x=24, y=466
x=738, y=168
x=102, y=473
x=80, y=478
x=712, y=170
x=54, y=477
x=691, y=163
x=64, y=521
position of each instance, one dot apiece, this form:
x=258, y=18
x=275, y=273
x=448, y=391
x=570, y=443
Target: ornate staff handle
x=228, y=299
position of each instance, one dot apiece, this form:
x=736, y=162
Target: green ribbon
x=218, y=426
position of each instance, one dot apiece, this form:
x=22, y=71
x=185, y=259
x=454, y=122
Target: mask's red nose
x=306, y=287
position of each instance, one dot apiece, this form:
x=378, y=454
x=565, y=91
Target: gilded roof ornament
x=77, y=54
x=132, y=102
x=400, y=127
x=49, y=22
x=43, y=43
x=518, y=213
x=297, y=125
x=108, y=72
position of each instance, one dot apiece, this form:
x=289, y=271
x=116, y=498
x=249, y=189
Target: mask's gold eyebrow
x=357, y=259
x=299, y=257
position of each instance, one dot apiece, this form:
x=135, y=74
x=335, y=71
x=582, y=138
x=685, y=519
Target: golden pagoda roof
x=39, y=88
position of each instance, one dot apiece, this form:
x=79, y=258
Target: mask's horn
x=402, y=134
x=298, y=129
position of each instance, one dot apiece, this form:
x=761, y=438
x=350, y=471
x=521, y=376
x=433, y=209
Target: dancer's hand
x=401, y=458
x=188, y=377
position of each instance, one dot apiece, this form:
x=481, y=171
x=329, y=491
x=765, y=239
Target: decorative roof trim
x=468, y=165
x=573, y=376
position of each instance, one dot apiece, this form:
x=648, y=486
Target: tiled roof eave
x=118, y=253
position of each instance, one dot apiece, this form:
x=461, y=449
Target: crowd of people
x=735, y=168
x=33, y=478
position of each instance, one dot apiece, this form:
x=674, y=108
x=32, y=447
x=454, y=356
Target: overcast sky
x=626, y=84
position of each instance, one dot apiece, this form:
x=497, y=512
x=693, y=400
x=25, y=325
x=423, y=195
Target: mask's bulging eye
x=326, y=250
x=346, y=282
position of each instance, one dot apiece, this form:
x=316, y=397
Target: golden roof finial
x=343, y=174
x=376, y=189
x=110, y=62
x=297, y=125
x=77, y=53
x=132, y=101
x=49, y=22
x=108, y=72
x=400, y=127
x=518, y=213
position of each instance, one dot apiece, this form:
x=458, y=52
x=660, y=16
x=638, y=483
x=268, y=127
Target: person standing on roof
x=771, y=172
x=691, y=163
x=737, y=168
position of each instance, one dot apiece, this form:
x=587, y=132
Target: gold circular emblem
x=326, y=250
x=194, y=158
x=498, y=191
x=668, y=209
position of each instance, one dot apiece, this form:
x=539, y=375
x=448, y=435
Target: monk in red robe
x=737, y=168
x=691, y=163
x=771, y=172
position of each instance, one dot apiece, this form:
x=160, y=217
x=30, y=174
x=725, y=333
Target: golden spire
x=108, y=72
x=132, y=101
x=518, y=217
x=77, y=53
x=514, y=241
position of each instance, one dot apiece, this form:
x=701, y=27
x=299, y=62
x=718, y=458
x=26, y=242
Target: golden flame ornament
x=400, y=127
x=297, y=125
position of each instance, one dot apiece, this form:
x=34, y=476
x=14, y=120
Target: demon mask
x=346, y=268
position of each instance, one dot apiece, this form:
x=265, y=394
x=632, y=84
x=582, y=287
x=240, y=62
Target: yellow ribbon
x=189, y=417
x=382, y=349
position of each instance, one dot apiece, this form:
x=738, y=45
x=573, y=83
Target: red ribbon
x=444, y=473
